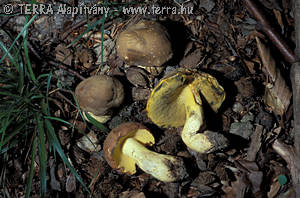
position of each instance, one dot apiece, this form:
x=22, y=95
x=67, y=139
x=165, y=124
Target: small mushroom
x=97, y=95
x=145, y=44
x=125, y=147
x=176, y=101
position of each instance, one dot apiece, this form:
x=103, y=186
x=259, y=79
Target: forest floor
x=219, y=37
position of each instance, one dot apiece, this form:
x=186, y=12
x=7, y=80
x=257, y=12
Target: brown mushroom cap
x=115, y=139
x=98, y=94
x=145, y=43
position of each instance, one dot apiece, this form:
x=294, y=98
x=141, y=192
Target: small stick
x=34, y=51
x=67, y=69
x=276, y=39
x=81, y=23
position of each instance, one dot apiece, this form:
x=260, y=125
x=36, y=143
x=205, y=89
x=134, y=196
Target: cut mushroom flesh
x=176, y=102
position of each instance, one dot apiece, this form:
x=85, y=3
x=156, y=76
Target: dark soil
x=217, y=38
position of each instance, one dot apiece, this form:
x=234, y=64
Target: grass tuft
x=25, y=116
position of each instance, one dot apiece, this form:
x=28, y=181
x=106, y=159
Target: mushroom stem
x=194, y=121
x=163, y=167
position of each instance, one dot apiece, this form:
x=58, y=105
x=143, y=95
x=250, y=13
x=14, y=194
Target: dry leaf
x=71, y=183
x=55, y=185
x=277, y=94
x=132, y=194
x=89, y=142
x=63, y=54
x=275, y=187
x=192, y=60
x=252, y=175
x=255, y=143
x=278, y=16
x=250, y=66
x=84, y=56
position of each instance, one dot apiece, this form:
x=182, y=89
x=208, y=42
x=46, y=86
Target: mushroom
x=97, y=95
x=145, y=44
x=176, y=101
x=125, y=147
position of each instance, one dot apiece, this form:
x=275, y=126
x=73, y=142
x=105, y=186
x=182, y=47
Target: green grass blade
x=19, y=35
x=11, y=145
x=42, y=76
x=32, y=76
x=58, y=119
x=86, y=31
x=42, y=154
x=92, y=120
x=5, y=93
x=78, y=107
x=31, y=171
x=102, y=39
x=47, y=91
x=21, y=78
x=36, y=97
x=66, y=122
x=96, y=123
x=56, y=145
x=13, y=133
x=2, y=46
x=4, y=126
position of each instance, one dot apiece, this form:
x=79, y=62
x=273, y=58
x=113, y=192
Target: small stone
x=238, y=107
x=248, y=117
x=242, y=129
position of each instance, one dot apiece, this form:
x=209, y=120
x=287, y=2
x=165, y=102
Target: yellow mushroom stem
x=194, y=121
x=163, y=167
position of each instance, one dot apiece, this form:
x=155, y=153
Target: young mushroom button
x=145, y=44
x=176, y=102
x=97, y=95
x=124, y=148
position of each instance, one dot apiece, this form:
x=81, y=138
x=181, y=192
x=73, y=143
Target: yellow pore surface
x=166, y=106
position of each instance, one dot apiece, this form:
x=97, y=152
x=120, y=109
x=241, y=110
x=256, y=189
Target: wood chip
x=255, y=143
x=277, y=94
x=63, y=54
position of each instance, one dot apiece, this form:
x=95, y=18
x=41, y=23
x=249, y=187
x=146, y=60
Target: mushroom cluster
x=145, y=44
x=98, y=95
x=125, y=147
x=177, y=101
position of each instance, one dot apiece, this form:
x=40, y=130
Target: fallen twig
x=59, y=65
x=270, y=31
x=79, y=24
